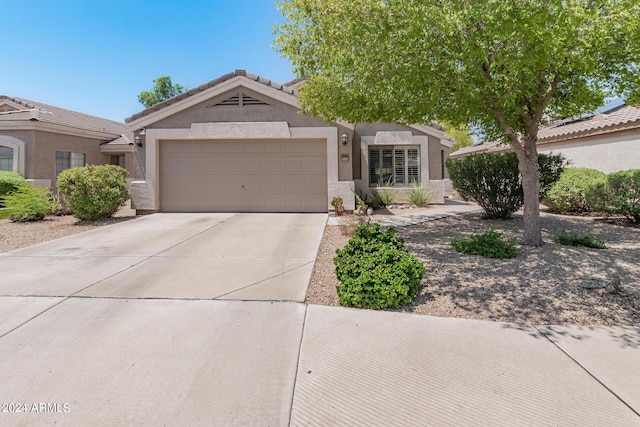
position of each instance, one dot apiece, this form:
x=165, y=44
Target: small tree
x=162, y=89
x=94, y=192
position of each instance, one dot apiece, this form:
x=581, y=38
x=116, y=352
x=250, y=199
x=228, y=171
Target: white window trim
x=18, y=152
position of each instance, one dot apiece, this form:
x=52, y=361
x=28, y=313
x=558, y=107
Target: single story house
x=608, y=141
x=239, y=143
x=39, y=141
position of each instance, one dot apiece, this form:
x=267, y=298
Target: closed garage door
x=243, y=176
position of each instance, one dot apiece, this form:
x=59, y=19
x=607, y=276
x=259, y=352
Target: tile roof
x=208, y=85
x=48, y=113
x=621, y=118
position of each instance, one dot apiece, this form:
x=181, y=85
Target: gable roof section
x=32, y=111
x=208, y=90
x=622, y=118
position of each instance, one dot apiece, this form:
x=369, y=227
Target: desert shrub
x=490, y=244
x=494, y=182
x=569, y=193
x=419, y=196
x=94, y=192
x=623, y=193
x=588, y=241
x=9, y=182
x=28, y=203
x=382, y=197
x=375, y=271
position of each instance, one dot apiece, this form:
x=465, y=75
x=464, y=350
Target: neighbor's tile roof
x=620, y=118
x=208, y=85
x=48, y=113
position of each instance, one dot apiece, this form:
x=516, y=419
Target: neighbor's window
x=6, y=159
x=394, y=166
x=66, y=160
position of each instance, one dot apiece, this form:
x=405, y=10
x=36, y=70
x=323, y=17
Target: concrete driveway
x=186, y=256
x=131, y=324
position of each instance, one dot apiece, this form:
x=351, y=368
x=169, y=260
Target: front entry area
x=243, y=176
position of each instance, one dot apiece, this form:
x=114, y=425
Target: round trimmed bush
x=10, y=182
x=94, y=192
x=375, y=271
x=570, y=193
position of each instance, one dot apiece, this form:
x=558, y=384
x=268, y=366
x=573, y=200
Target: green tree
x=162, y=89
x=505, y=66
x=460, y=134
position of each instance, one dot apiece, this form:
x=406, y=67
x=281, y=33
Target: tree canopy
x=162, y=89
x=460, y=134
x=505, y=66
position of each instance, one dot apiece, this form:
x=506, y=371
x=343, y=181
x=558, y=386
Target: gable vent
x=239, y=100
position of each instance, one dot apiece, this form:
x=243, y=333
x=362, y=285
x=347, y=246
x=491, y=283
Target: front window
x=67, y=160
x=394, y=166
x=6, y=159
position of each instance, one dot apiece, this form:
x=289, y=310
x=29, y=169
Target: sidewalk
x=371, y=368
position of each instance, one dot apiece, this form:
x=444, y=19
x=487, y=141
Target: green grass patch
x=586, y=241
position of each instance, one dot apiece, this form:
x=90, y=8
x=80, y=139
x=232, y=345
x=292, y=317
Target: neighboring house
x=39, y=141
x=239, y=143
x=608, y=141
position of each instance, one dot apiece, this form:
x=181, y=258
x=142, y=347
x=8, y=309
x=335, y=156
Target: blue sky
x=96, y=56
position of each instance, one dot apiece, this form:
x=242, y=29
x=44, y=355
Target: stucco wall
x=43, y=153
x=608, y=154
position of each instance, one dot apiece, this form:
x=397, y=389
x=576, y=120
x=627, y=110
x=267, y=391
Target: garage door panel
x=273, y=147
x=316, y=166
x=294, y=165
x=277, y=176
x=254, y=166
x=273, y=165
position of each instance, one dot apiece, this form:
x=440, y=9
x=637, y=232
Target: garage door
x=249, y=176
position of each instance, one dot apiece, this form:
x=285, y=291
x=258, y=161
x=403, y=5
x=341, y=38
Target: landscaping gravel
x=551, y=284
x=15, y=235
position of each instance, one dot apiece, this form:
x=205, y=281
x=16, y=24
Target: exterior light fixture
x=138, y=140
x=344, y=138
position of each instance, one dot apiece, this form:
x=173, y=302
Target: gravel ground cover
x=15, y=235
x=552, y=284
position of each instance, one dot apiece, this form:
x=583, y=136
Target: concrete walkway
x=130, y=348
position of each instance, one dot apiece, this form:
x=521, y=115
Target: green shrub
x=9, y=182
x=382, y=197
x=375, y=271
x=419, y=196
x=570, y=193
x=28, y=203
x=490, y=244
x=588, y=241
x=94, y=192
x=623, y=192
x=494, y=182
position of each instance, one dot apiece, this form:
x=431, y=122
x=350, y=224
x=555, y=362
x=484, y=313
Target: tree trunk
x=529, y=169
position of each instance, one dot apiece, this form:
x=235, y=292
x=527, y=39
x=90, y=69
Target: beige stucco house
x=239, y=143
x=608, y=141
x=39, y=140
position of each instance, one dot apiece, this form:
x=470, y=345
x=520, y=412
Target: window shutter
x=413, y=166
x=374, y=166
x=400, y=166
